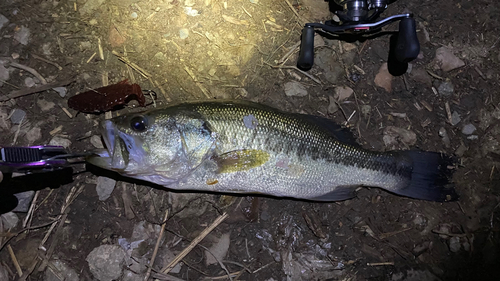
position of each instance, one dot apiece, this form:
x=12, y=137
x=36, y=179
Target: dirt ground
x=205, y=49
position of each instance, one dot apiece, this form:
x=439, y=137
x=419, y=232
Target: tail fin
x=429, y=177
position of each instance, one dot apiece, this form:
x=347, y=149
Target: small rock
x=383, y=78
x=106, y=262
x=3, y=22
x=29, y=82
x=4, y=121
x=132, y=276
x=318, y=40
x=165, y=256
x=243, y=92
x=159, y=56
x=455, y=244
x=58, y=141
x=446, y=60
x=446, y=89
x=47, y=50
x=343, y=93
x=85, y=76
x=218, y=250
x=409, y=69
x=105, y=187
x=326, y=60
x=366, y=109
x=45, y=105
x=295, y=89
x=421, y=76
x=17, y=116
x=22, y=35
x=444, y=135
x=9, y=220
x=90, y=6
x=455, y=118
x=62, y=91
x=15, y=56
x=420, y=248
x=348, y=46
x=4, y=74
x=461, y=150
x=33, y=135
x=332, y=106
x=378, y=49
x=395, y=137
x=115, y=38
x=184, y=205
x=96, y=141
x=59, y=270
x=468, y=129
x=24, y=201
x=212, y=71
x=85, y=45
x=133, y=15
x=183, y=33
x=4, y=274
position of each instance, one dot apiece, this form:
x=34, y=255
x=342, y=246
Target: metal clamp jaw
x=36, y=159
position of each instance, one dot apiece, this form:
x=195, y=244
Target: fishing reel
x=359, y=18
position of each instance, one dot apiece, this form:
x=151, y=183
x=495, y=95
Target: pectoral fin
x=340, y=193
x=240, y=160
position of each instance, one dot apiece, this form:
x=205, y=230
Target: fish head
x=158, y=146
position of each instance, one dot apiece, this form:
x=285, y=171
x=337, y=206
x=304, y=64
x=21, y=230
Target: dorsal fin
x=340, y=133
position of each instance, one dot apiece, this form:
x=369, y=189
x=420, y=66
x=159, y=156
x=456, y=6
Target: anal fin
x=340, y=193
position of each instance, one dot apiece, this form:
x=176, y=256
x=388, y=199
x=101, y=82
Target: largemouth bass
x=243, y=147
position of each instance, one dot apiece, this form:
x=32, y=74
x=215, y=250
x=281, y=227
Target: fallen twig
x=160, y=236
x=301, y=19
x=198, y=83
x=379, y=263
x=14, y=261
x=29, y=91
x=47, y=61
x=197, y=240
x=30, y=70
x=31, y=210
x=11, y=236
x=289, y=53
x=125, y=60
x=295, y=68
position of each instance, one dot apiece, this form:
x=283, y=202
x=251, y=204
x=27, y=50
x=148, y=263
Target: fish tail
x=430, y=177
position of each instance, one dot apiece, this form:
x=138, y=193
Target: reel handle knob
x=408, y=47
x=306, y=55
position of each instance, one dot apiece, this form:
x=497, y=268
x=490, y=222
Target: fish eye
x=139, y=123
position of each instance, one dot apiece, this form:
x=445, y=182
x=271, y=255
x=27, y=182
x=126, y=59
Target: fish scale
x=243, y=147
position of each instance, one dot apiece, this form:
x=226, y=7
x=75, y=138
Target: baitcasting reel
x=359, y=17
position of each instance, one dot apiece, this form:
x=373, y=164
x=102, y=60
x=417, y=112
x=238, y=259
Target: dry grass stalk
x=295, y=68
x=29, y=91
x=14, y=261
x=30, y=70
x=197, y=240
x=155, y=251
x=47, y=61
x=134, y=66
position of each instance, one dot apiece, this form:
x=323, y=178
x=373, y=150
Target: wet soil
x=211, y=49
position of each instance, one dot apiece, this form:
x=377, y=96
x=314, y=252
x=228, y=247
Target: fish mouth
x=119, y=147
